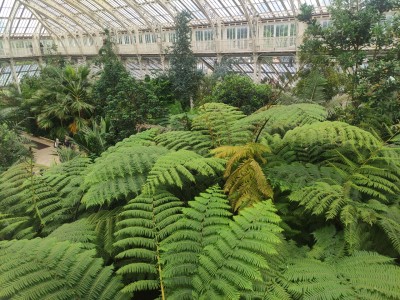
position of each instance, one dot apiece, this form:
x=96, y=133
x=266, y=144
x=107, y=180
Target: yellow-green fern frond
x=245, y=180
x=80, y=231
x=48, y=269
x=145, y=138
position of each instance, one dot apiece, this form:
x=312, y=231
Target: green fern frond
x=236, y=260
x=119, y=174
x=186, y=140
x=145, y=222
x=12, y=187
x=66, y=178
x=144, y=138
x=309, y=143
x=364, y=273
x=176, y=168
x=105, y=224
x=390, y=223
x=203, y=219
x=291, y=177
x=80, y=231
x=48, y=269
x=218, y=122
x=281, y=118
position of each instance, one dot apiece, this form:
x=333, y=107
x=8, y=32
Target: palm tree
x=63, y=103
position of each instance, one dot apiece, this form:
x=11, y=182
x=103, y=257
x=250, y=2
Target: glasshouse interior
x=200, y=149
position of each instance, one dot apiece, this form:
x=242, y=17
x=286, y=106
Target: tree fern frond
x=105, y=223
x=145, y=222
x=246, y=184
x=366, y=273
x=203, y=219
x=390, y=223
x=281, y=118
x=12, y=187
x=119, y=174
x=309, y=143
x=176, y=168
x=186, y=140
x=48, y=269
x=292, y=177
x=235, y=261
x=218, y=122
x=144, y=138
x=66, y=178
x=80, y=231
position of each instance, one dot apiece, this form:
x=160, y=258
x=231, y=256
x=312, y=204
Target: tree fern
x=311, y=142
x=281, y=118
x=48, y=269
x=364, y=275
x=11, y=187
x=235, y=261
x=202, y=220
x=80, y=231
x=218, y=121
x=33, y=208
x=145, y=138
x=186, y=140
x=247, y=183
x=176, y=168
x=119, y=174
x=105, y=223
x=367, y=183
x=146, y=221
x=67, y=178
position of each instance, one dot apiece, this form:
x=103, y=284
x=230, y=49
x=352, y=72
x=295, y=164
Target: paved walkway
x=43, y=150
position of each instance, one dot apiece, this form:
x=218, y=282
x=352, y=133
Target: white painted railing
x=272, y=44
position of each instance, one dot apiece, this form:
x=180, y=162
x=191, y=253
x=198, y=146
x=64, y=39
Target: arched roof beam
x=141, y=12
x=48, y=27
x=110, y=10
x=201, y=8
x=88, y=13
x=14, y=10
x=65, y=12
x=40, y=10
x=245, y=10
x=168, y=8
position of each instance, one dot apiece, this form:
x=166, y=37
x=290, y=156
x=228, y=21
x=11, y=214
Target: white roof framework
x=26, y=17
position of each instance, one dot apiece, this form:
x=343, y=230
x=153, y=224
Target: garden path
x=43, y=150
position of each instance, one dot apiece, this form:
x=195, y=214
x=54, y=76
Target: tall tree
x=182, y=61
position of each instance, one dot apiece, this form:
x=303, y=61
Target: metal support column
x=15, y=75
x=256, y=66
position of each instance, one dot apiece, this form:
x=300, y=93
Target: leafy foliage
x=235, y=260
x=11, y=147
x=176, y=168
x=247, y=183
x=218, y=121
x=127, y=166
x=47, y=269
x=146, y=221
x=200, y=225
